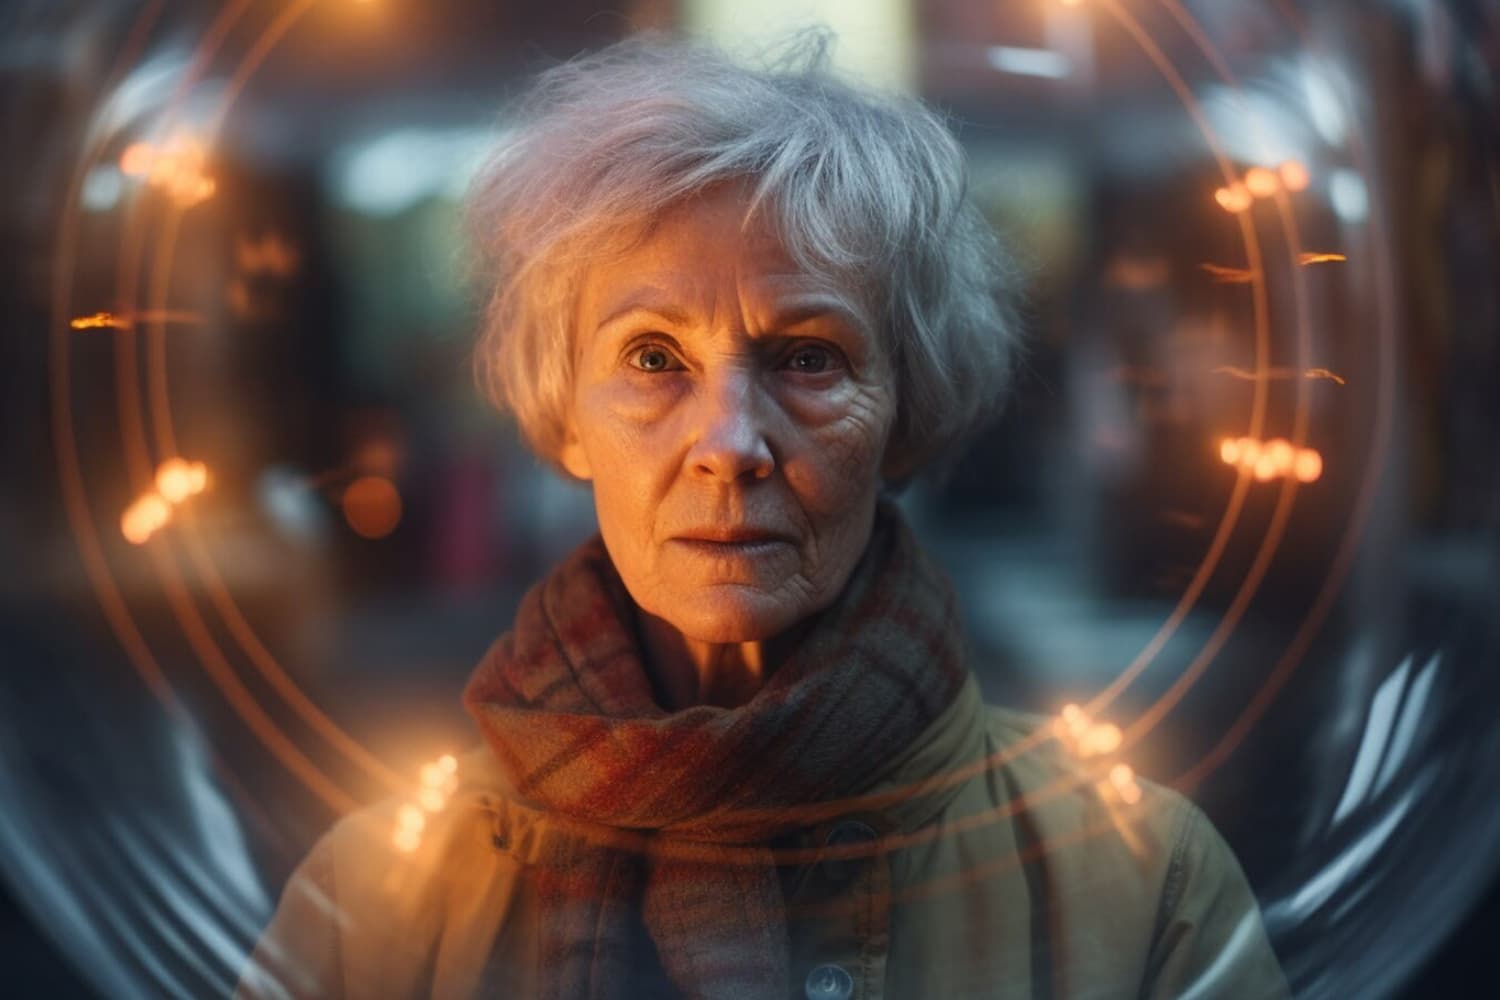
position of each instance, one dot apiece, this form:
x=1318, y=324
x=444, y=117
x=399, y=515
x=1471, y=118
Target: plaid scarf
x=567, y=707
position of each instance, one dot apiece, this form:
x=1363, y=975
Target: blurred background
x=262, y=525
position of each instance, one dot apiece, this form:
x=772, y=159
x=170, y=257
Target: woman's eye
x=653, y=358
x=811, y=359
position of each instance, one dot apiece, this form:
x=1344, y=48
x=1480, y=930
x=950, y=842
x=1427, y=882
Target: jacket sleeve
x=297, y=958
x=1209, y=940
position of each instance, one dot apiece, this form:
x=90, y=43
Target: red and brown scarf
x=568, y=709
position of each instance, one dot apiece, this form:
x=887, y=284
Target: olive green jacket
x=1075, y=895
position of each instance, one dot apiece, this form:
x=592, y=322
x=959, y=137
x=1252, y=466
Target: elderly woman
x=732, y=747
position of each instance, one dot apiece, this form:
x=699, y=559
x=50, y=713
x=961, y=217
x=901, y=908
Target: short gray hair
x=866, y=188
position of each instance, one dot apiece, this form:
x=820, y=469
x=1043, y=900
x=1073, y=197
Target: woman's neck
x=691, y=672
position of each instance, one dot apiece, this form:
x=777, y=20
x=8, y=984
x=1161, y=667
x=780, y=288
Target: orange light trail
x=99, y=320
x=1229, y=275
x=1320, y=258
x=1234, y=371
x=110, y=321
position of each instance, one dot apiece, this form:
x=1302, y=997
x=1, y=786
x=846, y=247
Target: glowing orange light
x=407, y=841
x=1229, y=275
x=97, y=321
x=1265, y=467
x=1229, y=451
x=1249, y=452
x=270, y=255
x=1320, y=258
x=372, y=506
x=448, y=763
x=1071, y=3
x=1282, y=454
x=432, y=799
x=410, y=818
x=1072, y=723
x=143, y=518
x=1234, y=198
x=1308, y=466
x=1100, y=740
x=176, y=167
x=1293, y=176
x=1260, y=182
x=174, y=480
x=1122, y=778
x=137, y=159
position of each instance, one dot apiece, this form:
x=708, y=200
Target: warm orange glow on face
x=372, y=506
x=1260, y=182
x=142, y=519
x=1235, y=198
x=1293, y=176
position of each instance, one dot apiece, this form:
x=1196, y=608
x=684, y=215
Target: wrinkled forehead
x=699, y=237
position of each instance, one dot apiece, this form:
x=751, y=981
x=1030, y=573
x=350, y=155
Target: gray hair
x=864, y=188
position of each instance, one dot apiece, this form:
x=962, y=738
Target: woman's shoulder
x=1102, y=829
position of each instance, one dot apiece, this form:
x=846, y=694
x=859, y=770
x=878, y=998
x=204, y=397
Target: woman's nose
x=730, y=432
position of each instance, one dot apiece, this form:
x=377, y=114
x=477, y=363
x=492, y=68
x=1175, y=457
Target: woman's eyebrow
x=645, y=306
x=797, y=313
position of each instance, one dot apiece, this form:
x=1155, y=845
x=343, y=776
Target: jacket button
x=850, y=831
x=829, y=982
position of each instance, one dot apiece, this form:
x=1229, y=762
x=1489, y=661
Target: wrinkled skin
x=721, y=389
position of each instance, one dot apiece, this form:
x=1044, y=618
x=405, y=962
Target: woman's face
x=733, y=413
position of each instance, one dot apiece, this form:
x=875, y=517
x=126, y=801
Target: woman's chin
x=732, y=614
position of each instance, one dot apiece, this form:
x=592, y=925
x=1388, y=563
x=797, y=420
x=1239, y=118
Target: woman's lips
x=744, y=547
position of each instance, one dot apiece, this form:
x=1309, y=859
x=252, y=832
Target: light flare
x=1234, y=371
x=438, y=780
x=1320, y=258
x=1122, y=781
x=1233, y=199
x=372, y=506
x=1294, y=176
x=1083, y=736
x=178, y=479
x=1277, y=458
x=99, y=321
x=1261, y=183
x=175, y=167
x=1229, y=275
x=144, y=518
